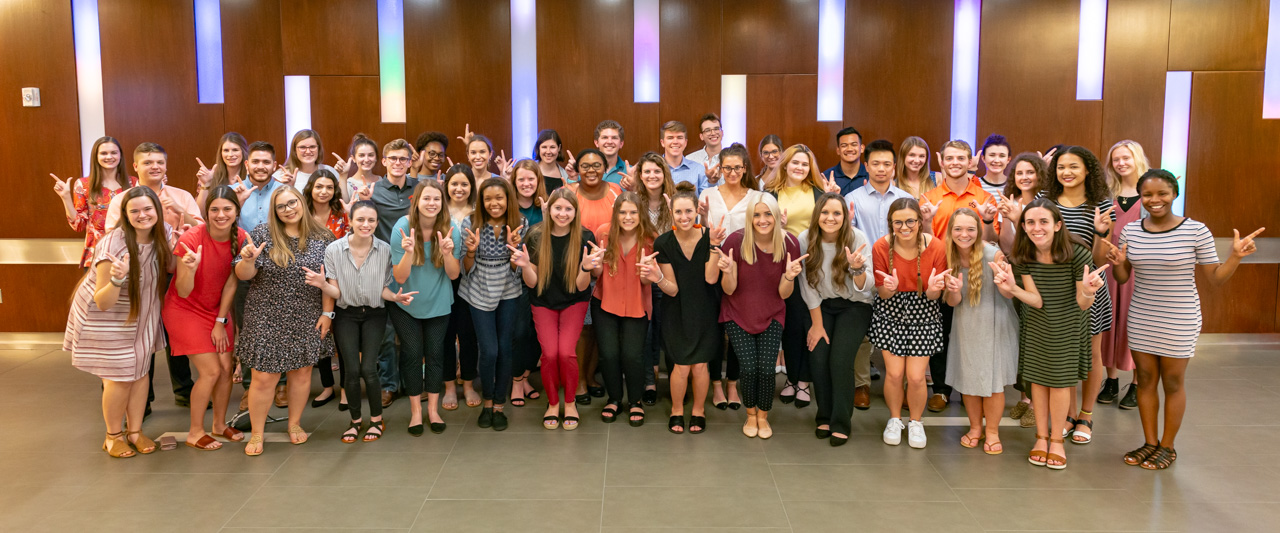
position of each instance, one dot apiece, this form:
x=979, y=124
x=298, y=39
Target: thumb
x=1236, y=232
x=321, y=270
x=199, y=250
x=933, y=272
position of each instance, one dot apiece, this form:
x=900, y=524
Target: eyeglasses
x=590, y=166
x=435, y=155
x=307, y=148
x=733, y=170
x=288, y=206
x=713, y=129
x=400, y=160
x=910, y=223
x=771, y=153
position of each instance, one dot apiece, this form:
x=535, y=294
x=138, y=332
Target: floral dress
x=91, y=217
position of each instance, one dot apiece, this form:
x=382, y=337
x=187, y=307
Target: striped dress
x=1164, y=314
x=103, y=343
x=1053, y=341
x=1079, y=221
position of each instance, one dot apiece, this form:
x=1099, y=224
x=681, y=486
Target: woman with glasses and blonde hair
x=1125, y=164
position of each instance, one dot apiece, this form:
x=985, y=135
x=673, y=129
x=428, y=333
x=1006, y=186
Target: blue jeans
x=494, y=332
x=389, y=361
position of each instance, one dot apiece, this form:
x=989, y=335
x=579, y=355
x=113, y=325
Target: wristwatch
x=221, y=320
x=328, y=314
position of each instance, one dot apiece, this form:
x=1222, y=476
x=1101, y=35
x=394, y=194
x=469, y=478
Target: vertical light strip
x=1092, y=51
x=1177, y=128
x=831, y=60
x=733, y=108
x=645, y=51
x=93, y=121
x=297, y=104
x=391, y=59
x=964, y=70
x=524, y=77
x=209, y=51
x=1271, y=76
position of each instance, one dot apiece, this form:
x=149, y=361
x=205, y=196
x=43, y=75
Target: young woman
x=1051, y=278
x=531, y=192
x=758, y=269
x=558, y=276
x=480, y=155
x=531, y=196
x=1029, y=176
x=770, y=155
x=461, y=351
x=327, y=208
x=906, y=323
x=656, y=192
x=982, y=356
x=914, y=173
x=994, y=155
x=552, y=158
x=491, y=286
x=305, y=159
x=836, y=287
x=595, y=207
x=1161, y=253
x=1080, y=192
x=725, y=206
x=114, y=323
x=197, y=312
x=278, y=335
x=355, y=175
x=690, y=331
x=85, y=200
x=1126, y=163
x=229, y=169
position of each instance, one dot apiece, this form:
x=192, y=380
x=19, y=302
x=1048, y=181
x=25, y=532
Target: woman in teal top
x=425, y=259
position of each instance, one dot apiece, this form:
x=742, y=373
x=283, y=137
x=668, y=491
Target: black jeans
x=467, y=351
x=846, y=323
x=358, y=331
x=795, y=351
x=421, y=339
x=733, y=372
x=621, y=341
x=938, y=363
x=525, y=351
x=653, y=339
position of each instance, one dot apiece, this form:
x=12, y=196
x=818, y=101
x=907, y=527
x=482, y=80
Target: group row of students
x=982, y=282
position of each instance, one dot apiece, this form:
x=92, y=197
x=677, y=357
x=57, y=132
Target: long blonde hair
x=749, y=232
x=308, y=229
x=779, y=179
x=926, y=172
x=572, y=253
x=1140, y=164
x=975, y=254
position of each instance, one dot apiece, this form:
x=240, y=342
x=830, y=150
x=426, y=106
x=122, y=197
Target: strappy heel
x=116, y=446
x=1039, y=457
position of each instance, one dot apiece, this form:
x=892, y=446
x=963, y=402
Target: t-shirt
x=554, y=296
x=621, y=292
x=798, y=202
x=755, y=302
x=912, y=273
x=533, y=213
x=435, y=290
x=596, y=213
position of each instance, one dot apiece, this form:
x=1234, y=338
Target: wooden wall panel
x=36, y=50
x=342, y=106
x=43, y=306
x=1231, y=148
x=1028, y=93
x=458, y=69
x=1218, y=35
x=1136, y=61
x=587, y=79
x=149, y=83
x=785, y=105
x=690, y=40
x=329, y=37
x=754, y=31
x=897, y=63
x=1245, y=304
x=253, y=75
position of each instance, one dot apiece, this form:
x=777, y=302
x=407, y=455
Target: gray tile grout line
x=778, y=491
x=604, y=479
x=32, y=360
x=435, y=481
x=953, y=491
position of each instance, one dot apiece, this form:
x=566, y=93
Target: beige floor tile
x=519, y=481
x=527, y=516
x=693, y=507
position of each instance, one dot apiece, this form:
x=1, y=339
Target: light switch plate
x=30, y=97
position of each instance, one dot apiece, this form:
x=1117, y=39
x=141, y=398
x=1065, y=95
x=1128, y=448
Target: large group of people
x=1049, y=272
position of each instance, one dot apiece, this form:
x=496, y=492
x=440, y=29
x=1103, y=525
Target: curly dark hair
x=1095, y=184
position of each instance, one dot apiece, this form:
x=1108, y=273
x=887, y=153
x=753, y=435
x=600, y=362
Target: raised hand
x=61, y=188
x=794, y=268
x=204, y=174
x=471, y=240
x=1093, y=280
x=829, y=182
x=415, y=162
x=513, y=237
x=973, y=161
x=890, y=281
x=648, y=268
x=988, y=210
x=1116, y=256
x=703, y=205
x=952, y=283
x=725, y=263
x=938, y=280
x=404, y=298
x=342, y=165
x=119, y=266
x=927, y=208
x=718, y=233
x=1047, y=156
x=287, y=176
x=192, y=258
x=315, y=279
x=1244, y=247
x=855, y=258
x=519, y=255
x=712, y=172
x=1102, y=219
x=628, y=176
x=251, y=252
x=465, y=138
x=504, y=166
x=365, y=193
x=445, y=242
x=1002, y=275
x=346, y=204
x=242, y=193
x=407, y=242
x=591, y=260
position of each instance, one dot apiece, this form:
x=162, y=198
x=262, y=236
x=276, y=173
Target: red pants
x=558, y=333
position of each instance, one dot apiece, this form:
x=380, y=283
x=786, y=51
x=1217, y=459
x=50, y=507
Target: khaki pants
x=862, y=365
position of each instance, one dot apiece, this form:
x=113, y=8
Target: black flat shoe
x=416, y=430
x=499, y=421
x=486, y=418
x=800, y=403
x=596, y=392
x=343, y=406
x=650, y=396
x=321, y=403
x=437, y=427
x=838, y=441
x=787, y=398
x=676, y=421
x=699, y=422
x=722, y=406
x=735, y=405
x=582, y=399
x=822, y=433
x=1130, y=400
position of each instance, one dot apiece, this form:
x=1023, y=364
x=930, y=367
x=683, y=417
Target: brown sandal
x=1138, y=456
x=116, y=446
x=1055, y=457
x=205, y=444
x=232, y=434
x=1162, y=459
x=143, y=444
x=296, y=432
x=1039, y=457
x=255, y=439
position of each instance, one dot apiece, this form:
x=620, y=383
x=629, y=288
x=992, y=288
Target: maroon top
x=755, y=303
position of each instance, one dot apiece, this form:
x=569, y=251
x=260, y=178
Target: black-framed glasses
x=713, y=129
x=910, y=223
x=771, y=153
x=288, y=206
x=590, y=166
x=733, y=170
x=435, y=155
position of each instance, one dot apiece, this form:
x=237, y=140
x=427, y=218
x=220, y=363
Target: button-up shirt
x=362, y=285
x=392, y=202
x=848, y=184
x=256, y=209
x=701, y=157
x=692, y=172
x=871, y=209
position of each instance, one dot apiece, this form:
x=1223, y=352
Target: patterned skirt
x=907, y=324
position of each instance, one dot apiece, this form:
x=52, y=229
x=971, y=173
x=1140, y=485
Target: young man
x=392, y=197
x=673, y=140
x=849, y=174
x=609, y=141
x=995, y=156
x=431, y=148
x=956, y=190
x=869, y=205
x=709, y=155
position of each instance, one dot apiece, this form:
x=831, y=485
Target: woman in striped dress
x=1080, y=192
x=1161, y=254
x=114, y=324
x=1052, y=279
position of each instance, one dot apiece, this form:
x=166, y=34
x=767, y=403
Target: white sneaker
x=915, y=434
x=893, y=432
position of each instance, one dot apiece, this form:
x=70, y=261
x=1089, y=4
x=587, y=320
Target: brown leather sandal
x=1055, y=457
x=116, y=446
x=1039, y=457
x=205, y=444
x=1136, y=457
x=143, y=444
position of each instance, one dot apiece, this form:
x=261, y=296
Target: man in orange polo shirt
x=957, y=189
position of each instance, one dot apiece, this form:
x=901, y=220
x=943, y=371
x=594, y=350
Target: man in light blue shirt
x=674, y=140
x=870, y=202
x=255, y=193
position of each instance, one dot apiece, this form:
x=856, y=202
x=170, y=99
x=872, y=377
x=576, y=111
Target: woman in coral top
x=85, y=200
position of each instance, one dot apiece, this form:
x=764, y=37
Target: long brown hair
x=442, y=224
x=572, y=253
x=220, y=176
x=480, y=215
x=1024, y=251
x=613, y=251
x=844, y=239
x=159, y=243
x=975, y=253
x=335, y=201
x=913, y=205
x=294, y=162
x=668, y=189
x=748, y=181
x=96, y=171
x=308, y=229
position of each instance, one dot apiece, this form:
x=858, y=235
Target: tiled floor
x=54, y=477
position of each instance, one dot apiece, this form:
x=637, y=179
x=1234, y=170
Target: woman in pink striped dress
x=114, y=324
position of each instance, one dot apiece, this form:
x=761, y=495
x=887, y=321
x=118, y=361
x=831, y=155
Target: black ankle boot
x=1110, y=389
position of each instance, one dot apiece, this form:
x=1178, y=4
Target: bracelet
x=1101, y=234
x=586, y=269
x=118, y=282
x=662, y=278
x=858, y=271
x=985, y=221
